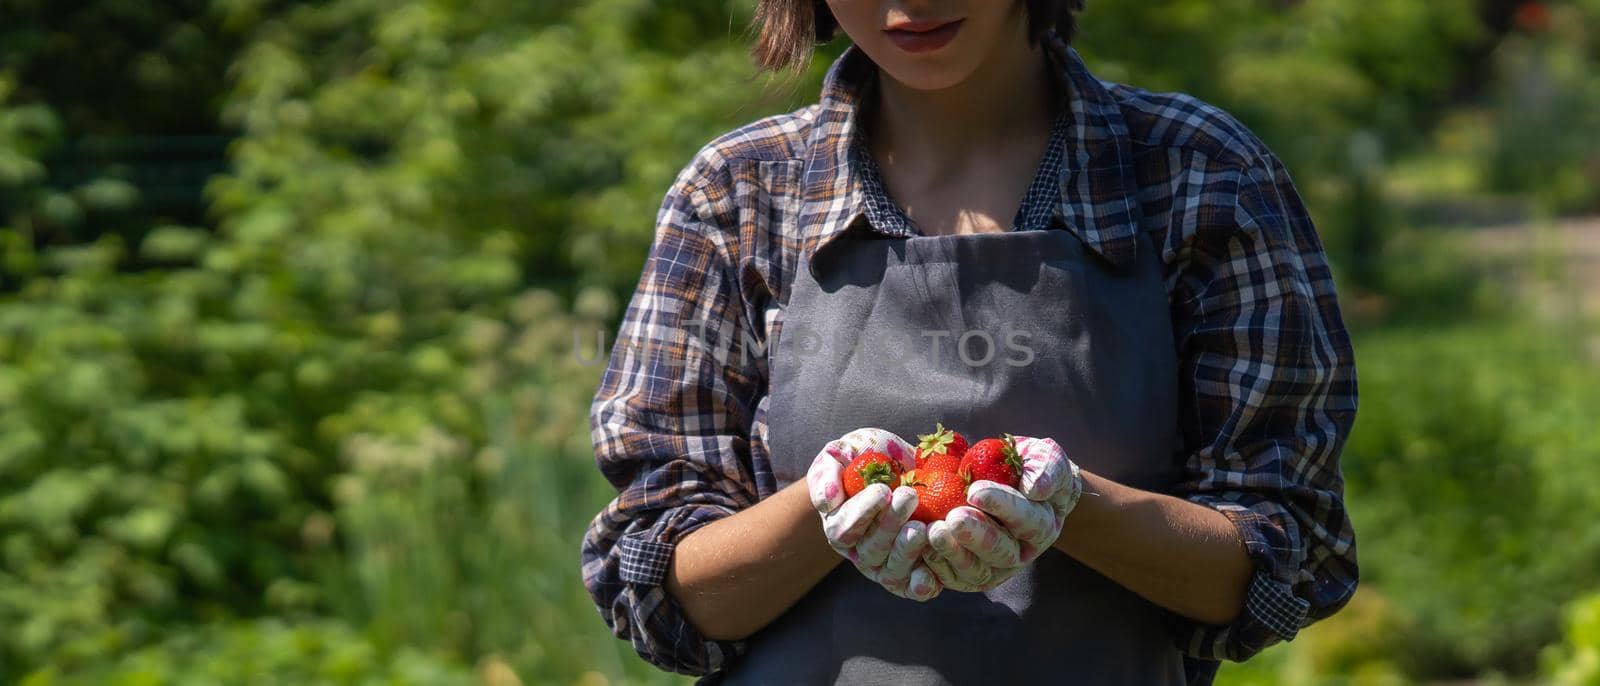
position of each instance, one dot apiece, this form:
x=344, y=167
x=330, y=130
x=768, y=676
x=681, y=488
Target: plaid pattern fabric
x=1267, y=375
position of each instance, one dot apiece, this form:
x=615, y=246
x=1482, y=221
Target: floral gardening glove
x=980, y=545
x=873, y=529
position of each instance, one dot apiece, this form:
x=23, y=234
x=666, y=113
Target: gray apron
x=1022, y=332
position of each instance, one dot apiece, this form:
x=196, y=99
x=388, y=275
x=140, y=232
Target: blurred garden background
x=288, y=294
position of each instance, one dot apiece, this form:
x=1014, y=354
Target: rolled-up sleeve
x=1269, y=397
x=671, y=425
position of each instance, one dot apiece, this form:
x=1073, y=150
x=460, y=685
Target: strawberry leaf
x=1009, y=451
x=937, y=442
x=876, y=473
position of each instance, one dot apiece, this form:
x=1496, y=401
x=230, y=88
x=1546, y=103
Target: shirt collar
x=1098, y=199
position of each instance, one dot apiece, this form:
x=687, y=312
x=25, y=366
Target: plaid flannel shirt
x=1267, y=376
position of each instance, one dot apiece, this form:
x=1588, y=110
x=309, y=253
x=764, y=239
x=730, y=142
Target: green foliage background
x=288, y=294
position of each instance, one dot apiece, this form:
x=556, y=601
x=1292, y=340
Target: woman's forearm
x=1183, y=556
x=737, y=574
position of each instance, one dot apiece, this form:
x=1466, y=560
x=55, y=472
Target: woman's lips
x=927, y=36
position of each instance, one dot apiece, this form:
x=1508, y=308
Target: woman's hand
x=980, y=545
x=969, y=551
x=872, y=528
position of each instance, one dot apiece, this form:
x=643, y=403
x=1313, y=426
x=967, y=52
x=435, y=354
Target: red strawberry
x=937, y=493
x=994, y=459
x=939, y=462
x=941, y=442
x=870, y=468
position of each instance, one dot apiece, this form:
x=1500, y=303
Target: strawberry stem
x=937, y=442
x=1009, y=450
x=876, y=473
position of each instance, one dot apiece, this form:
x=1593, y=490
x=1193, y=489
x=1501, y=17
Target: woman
x=970, y=228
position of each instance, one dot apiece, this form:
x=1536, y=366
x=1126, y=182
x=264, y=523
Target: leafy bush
x=1546, y=114
x=1430, y=278
x=1474, y=450
x=1365, y=77
x=1386, y=65
x=1576, y=662
x=555, y=127
x=269, y=651
x=476, y=553
x=169, y=439
x=166, y=441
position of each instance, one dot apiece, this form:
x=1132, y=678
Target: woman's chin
x=926, y=75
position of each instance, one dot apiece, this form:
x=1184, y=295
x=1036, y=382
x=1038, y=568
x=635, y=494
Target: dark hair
x=789, y=29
